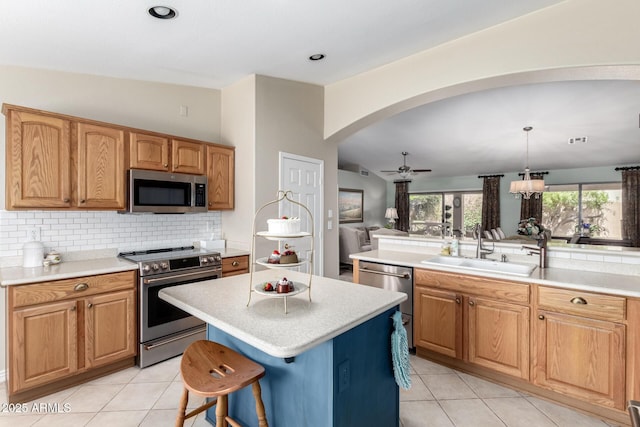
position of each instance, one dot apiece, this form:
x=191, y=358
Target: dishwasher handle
x=386, y=273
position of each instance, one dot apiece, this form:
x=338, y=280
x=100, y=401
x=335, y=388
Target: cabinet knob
x=579, y=300
x=458, y=301
x=81, y=287
x=235, y=263
x=89, y=305
x=166, y=165
x=472, y=303
x=66, y=200
x=73, y=308
x=541, y=316
x=82, y=201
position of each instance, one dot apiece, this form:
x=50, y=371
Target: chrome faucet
x=540, y=250
x=481, y=251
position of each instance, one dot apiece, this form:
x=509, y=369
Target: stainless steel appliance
x=164, y=330
x=165, y=192
x=393, y=278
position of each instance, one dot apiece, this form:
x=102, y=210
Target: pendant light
x=527, y=187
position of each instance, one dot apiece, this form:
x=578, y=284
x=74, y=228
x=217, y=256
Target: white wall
x=289, y=118
x=571, y=37
x=375, y=195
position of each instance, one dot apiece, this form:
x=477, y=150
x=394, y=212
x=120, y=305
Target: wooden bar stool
x=212, y=370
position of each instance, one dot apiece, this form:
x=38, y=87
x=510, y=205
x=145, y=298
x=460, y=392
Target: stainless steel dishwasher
x=393, y=278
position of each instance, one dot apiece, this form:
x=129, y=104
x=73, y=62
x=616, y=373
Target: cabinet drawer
x=38, y=293
x=235, y=265
x=582, y=303
x=475, y=285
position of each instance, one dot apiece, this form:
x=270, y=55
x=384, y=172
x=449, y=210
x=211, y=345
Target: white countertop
x=65, y=270
x=615, y=284
x=335, y=308
x=230, y=252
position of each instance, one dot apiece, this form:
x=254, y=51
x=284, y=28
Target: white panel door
x=303, y=176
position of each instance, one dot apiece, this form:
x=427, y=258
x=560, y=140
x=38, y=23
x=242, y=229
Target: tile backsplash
x=93, y=230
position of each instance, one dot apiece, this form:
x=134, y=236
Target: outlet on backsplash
x=34, y=234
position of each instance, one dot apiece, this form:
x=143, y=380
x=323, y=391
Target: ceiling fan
x=404, y=171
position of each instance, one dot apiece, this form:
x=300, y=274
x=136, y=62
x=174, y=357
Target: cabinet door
x=101, y=173
x=187, y=157
x=221, y=179
x=43, y=344
x=110, y=328
x=38, y=161
x=498, y=336
x=438, y=321
x=580, y=357
x=148, y=152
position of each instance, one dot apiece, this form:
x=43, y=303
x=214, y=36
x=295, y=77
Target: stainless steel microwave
x=165, y=192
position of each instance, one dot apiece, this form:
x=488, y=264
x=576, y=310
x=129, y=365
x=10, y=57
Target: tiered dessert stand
x=298, y=287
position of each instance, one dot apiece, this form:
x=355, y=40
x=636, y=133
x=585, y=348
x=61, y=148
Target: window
x=594, y=210
x=431, y=213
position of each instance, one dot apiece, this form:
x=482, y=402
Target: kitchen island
x=327, y=361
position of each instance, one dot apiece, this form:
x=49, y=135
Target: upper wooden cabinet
x=220, y=173
x=56, y=161
x=187, y=157
x=155, y=152
x=101, y=172
x=148, y=152
x=38, y=173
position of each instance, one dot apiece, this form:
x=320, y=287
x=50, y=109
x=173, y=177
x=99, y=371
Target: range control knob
x=164, y=265
x=146, y=268
x=155, y=267
x=212, y=259
x=204, y=260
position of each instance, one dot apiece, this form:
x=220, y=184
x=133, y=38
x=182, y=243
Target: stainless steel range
x=165, y=331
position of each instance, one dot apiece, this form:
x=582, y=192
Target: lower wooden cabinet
x=498, y=336
x=233, y=266
x=64, y=328
x=43, y=344
x=572, y=343
x=438, y=323
x=483, y=323
x=581, y=355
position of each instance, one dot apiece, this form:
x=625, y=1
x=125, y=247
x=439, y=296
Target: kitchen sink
x=486, y=265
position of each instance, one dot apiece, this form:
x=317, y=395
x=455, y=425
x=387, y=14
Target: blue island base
x=344, y=382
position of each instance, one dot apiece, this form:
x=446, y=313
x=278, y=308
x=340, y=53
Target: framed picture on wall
x=350, y=203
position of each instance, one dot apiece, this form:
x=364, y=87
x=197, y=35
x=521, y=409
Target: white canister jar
x=32, y=254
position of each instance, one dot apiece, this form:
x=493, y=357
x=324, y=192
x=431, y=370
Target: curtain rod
x=627, y=168
x=490, y=176
x=535, y=173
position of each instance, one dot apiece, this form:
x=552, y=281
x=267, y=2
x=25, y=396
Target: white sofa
x=354, y=240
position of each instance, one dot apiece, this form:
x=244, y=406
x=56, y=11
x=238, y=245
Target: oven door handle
x=170, y=340
x=181, y=276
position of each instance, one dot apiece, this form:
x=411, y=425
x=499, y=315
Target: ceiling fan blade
x=421, y=170
x=390, y=171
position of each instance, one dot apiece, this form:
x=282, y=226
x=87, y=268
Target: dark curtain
x=532, y=208
x=402, y=205
x=490, y=202
x=631, y=206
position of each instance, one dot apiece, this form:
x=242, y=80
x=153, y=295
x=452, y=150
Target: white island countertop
x=335, y=308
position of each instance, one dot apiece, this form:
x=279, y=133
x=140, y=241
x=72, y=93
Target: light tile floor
x=439, y=396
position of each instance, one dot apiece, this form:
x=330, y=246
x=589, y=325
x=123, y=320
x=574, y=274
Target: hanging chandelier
x=527, y=187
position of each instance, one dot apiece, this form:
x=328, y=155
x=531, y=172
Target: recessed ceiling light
x=578, y=139
x=316, y=57
x=162, y=12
